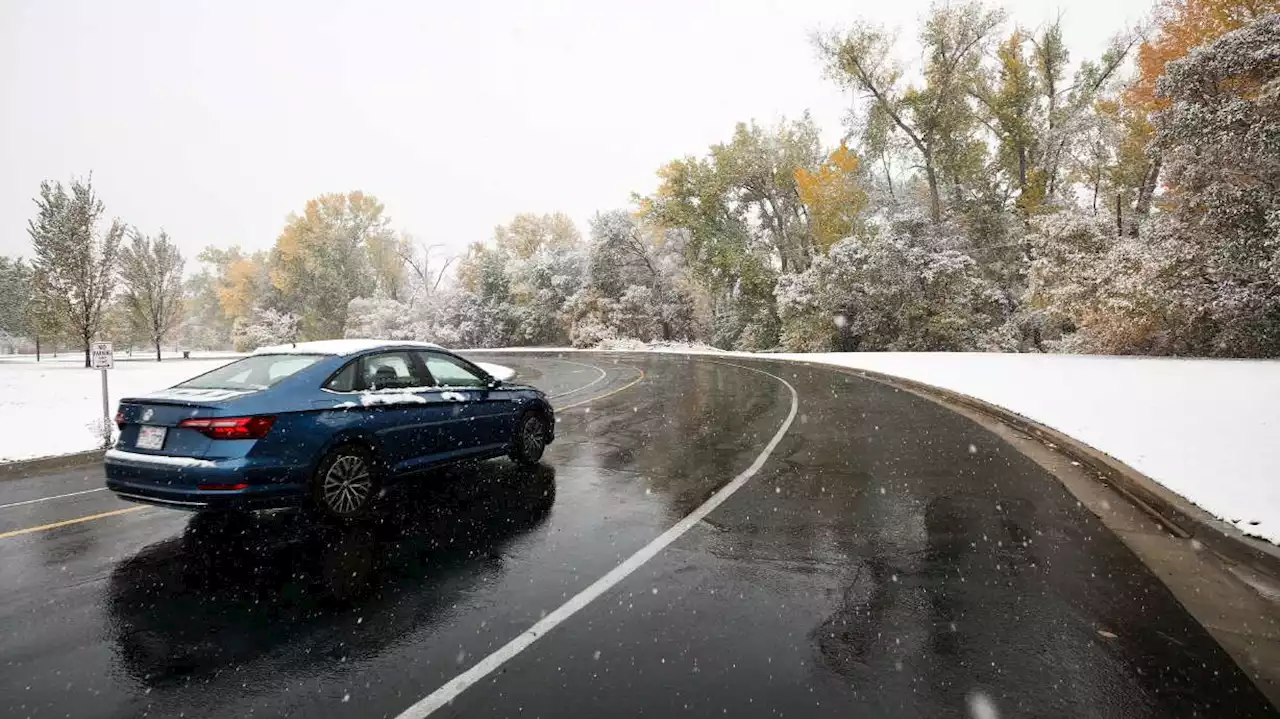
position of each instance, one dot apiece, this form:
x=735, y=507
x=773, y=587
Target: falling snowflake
x=981, y=706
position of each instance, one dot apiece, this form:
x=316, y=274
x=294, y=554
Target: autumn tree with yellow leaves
x=833, y=195
x=340, y=247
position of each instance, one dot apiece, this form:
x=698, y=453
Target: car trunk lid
x=150, y=424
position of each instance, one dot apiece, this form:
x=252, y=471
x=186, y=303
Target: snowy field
x=50, y=407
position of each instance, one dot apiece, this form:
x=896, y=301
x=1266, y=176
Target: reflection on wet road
x=890, y=559
x=226, y=593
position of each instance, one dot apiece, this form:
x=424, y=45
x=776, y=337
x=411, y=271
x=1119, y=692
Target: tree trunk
x=1119, y=216
x=37, y=346
x=935, y=198
x=1143, y=206
x=157, y=350
x=87, y=363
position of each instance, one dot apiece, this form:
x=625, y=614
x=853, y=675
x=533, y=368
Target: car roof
x=341, y=348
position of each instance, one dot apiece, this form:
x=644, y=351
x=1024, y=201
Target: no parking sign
x=102, y=357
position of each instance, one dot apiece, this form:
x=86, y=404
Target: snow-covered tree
x=264, y=326
x=1094, y=289
x=635, y=287
x=1220, y=140
x=341, y=247
x=15, y=294
x=900, y=286
x=204, y=325
x=151, y=272
x=75, y=258
x=381, y=318
x=541, y=285
x=460, y=318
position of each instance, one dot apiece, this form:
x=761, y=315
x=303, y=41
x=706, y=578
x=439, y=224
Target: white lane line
x=597, y=380
x=56, y=496
x=450, y=691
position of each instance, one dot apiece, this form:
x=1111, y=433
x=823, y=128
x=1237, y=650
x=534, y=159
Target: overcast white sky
x=216, y=119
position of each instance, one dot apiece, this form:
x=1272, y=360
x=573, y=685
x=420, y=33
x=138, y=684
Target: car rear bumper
x=175, y=482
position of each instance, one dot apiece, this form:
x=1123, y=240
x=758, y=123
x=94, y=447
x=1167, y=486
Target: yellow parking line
x=126, y=510
x=628, y=385
x=65, y=522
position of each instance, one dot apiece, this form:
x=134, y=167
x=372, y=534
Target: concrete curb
x=27, y=467
x=1177, y=514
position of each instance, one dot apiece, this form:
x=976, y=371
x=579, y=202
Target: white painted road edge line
x=603, y=374
x=450, y=691
x=46, y=499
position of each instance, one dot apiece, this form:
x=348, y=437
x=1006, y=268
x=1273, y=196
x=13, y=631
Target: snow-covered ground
x=137, y=356
x=51, y=407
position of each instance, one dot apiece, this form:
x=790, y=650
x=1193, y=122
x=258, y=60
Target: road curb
x=1176, y=513
x=27, y=467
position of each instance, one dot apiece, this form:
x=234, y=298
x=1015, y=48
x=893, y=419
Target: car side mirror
x=494, y=383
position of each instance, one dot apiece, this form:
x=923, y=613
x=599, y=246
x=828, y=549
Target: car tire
x=346, y=483
x=530, y=440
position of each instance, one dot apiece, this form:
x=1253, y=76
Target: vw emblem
x=147, y=415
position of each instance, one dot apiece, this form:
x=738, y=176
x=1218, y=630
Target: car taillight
x=120, y=420
x=231, y=427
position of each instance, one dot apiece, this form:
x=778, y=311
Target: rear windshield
x=256, y=372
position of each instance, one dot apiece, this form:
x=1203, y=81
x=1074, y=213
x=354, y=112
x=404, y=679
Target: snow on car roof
x=340, y=347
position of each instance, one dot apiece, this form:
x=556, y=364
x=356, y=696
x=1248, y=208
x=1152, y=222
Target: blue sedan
x=324, y=423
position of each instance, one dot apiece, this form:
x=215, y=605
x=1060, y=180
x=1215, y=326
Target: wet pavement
x=890, y=558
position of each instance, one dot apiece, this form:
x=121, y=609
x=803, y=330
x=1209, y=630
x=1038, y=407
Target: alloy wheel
x=531, y=438
x=347, y=484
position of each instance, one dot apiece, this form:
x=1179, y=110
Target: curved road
x=877, y=556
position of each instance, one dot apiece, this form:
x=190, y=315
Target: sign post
x=101, y=357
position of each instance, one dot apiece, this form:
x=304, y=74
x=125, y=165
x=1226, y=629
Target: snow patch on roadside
x=53, y=407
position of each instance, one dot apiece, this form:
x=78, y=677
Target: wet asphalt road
x=889, y=559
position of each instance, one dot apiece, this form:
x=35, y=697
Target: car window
x=345, y=379
x=448, y=372
x=256, y=372
x=391, y=370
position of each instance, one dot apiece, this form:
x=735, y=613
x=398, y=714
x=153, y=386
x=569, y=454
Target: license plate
x=150, y=437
